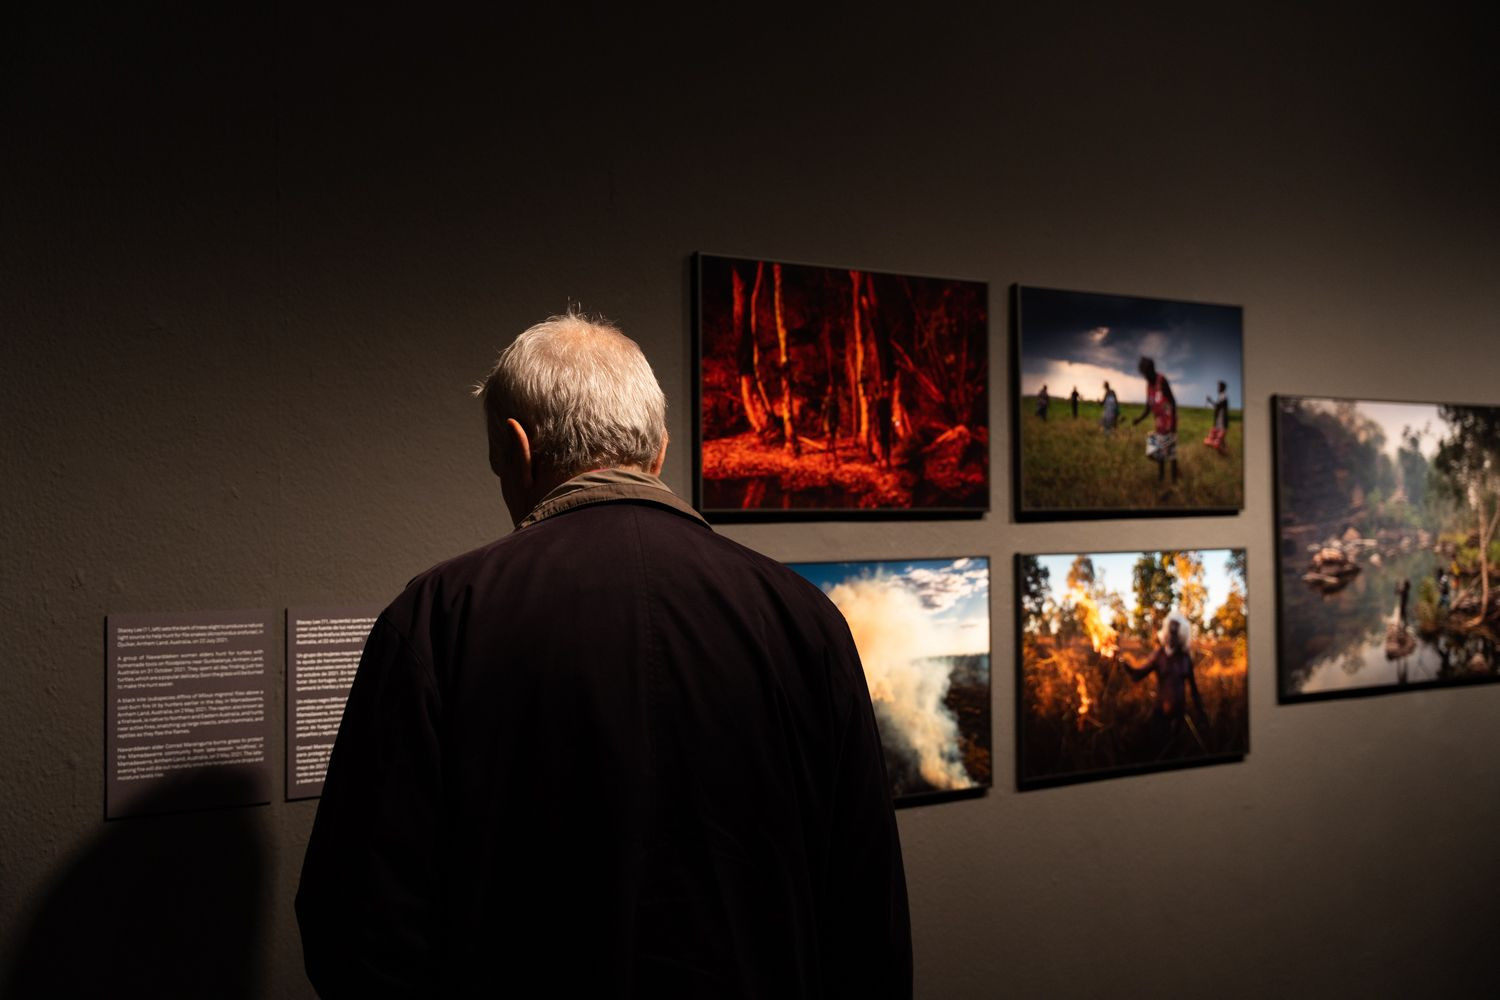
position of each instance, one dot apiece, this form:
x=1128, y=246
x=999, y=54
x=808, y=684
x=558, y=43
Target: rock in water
x=1399, y=641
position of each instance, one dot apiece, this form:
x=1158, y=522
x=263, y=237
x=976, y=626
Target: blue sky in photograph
x=1113, y=571
x=1083, y=339
x=954, y=594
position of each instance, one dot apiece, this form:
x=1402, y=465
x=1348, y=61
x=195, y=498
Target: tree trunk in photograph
x=1486, y=532
x=830, y=396
x=866, y=401
x=899, y=418
x=792, y=444
x=760, y=388
x=745, y=357
x=856, y=350
x=880, y=349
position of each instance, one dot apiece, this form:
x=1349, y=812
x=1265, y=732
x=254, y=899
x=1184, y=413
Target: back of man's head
x=584, y=393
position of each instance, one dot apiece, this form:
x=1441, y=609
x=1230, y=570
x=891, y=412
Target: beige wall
x=252, y=261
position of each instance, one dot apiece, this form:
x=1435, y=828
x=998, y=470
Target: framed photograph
x=1126, y=406
x=923, y=632
x=831, y=391
x=1130, y=662
x=1388, y=564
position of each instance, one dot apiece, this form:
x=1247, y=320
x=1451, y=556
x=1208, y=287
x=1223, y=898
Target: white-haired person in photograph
x=1172, y=663
x=610, y=754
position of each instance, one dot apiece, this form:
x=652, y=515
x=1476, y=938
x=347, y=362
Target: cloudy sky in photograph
x=951, y=607
x=1084, y=339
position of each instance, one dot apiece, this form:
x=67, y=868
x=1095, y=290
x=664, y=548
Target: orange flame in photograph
x=1103, y=637
x=1084, y=701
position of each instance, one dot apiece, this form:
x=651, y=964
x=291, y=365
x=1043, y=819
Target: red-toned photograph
x=841, y=391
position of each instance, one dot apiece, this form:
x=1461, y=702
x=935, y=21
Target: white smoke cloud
x=895, y=637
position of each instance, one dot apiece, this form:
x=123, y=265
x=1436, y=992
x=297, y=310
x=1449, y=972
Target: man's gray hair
x=583, y=391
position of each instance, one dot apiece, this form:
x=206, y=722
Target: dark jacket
x=618, y=752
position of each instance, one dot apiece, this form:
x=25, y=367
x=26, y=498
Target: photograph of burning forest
x=1130, y=661
x=923, y=633
x=1126, y=406
x=1387, y=554
x=829, y=389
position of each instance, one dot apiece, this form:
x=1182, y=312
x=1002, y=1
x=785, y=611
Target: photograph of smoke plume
x=923, y=633
x=839, y=391
x=1126, y=406
x=1387, y=553
x=1130, y=661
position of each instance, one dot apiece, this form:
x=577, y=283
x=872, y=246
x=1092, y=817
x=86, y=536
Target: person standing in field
x=1161, y=446
x=1172, y=663
x=1073, y=398
x=1215, y=439
x=1042, y=402
x=1111, y=409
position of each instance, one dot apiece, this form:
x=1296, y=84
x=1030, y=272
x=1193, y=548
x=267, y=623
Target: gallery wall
x=252, y=258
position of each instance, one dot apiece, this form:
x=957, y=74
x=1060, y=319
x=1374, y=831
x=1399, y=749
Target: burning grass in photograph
x=1131, y=661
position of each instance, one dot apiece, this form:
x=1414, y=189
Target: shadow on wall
x=161, y=906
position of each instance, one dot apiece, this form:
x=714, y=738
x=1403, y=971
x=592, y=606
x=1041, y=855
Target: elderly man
x=612, y=753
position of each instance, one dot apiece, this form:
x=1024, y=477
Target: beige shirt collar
x=603, y=486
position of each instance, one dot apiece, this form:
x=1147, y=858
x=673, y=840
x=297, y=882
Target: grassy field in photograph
x=1071, y=464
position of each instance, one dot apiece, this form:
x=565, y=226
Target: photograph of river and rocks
x=1387, y=555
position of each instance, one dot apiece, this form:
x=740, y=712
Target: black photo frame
x=1371, y=494
x=922, y=627
x=1083, y=454
x=1091, y=701
x=835, y=392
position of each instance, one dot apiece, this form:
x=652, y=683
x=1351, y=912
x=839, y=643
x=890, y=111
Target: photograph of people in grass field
x=1127, y=406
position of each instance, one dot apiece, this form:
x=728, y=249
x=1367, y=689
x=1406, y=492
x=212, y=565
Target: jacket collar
x=606, y=486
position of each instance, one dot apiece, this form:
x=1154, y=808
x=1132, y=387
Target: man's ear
x=661, y=456
x=514, y=455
